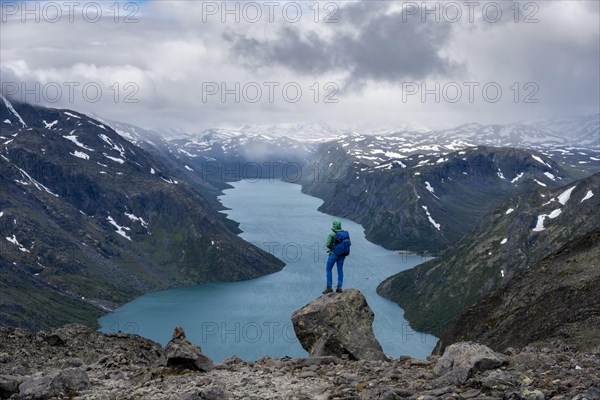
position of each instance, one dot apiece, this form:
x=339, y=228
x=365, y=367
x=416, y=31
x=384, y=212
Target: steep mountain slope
x=516, y=235
x=420, y=201
x=89, y=220
x=555, y=299
x=210, y=185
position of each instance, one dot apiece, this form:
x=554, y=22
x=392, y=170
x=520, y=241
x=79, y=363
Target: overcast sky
x=190, y=65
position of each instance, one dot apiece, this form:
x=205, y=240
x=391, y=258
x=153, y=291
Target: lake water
x=252, y=318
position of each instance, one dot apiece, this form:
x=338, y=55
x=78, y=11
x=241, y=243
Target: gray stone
x=441, y=391
x=529, y=360
x=9, y=385
x=55, y=340
x=72, y=363
x=379, y=393
x=307, y=374
x=338, y=324
x=232, y=360
x=193, y=395
x=71, y=380
x=37, y=387
x=45, y=386
x=213, y=393
x=462, y=359
x=499, y=379
x=325, y=360
x=180, y=353
x=469, y=394
x=531, y=394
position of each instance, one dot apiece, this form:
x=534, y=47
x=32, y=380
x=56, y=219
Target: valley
x=96, y=212
x=90, y=221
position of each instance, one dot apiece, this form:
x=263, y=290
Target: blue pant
x=333, y=259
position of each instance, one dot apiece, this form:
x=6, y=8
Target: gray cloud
x=387, y=47
x=171, y=52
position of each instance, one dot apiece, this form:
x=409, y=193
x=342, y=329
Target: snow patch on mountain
x=392, y=154
x=565, y=196
x=538, y=159
x=71, y=115
x=587, y=196
x=73, y=139
x=50, y=125
x=80, y=154
x=14, y=241
x=113, y=145
x=13, y=111
x=98, y=125
x=435, y=224
x=115, y=159
x=35, y=183
x=171, y=181
x=430, y=188
x=121, y=230
x=516, y=178
x=135, y=218
x=540, y=220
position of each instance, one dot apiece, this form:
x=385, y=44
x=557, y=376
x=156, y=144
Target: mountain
x=516, y=235
x=358, y=175
x=576, y=132
x=555, y=300
x=250, y=151
x=227, y=155
x=419, y=197
x=580, y=131
x=88, y=221
x=301, y=132
x=154, y=143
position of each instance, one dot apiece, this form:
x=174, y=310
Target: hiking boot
x=338, y=289
x=328, y=290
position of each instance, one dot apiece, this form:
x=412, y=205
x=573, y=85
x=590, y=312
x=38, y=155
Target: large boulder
x=461, y=360
x=180, y=353
x=338, y=324
x=47, y=385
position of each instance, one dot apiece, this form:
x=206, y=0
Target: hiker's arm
x=329, y=243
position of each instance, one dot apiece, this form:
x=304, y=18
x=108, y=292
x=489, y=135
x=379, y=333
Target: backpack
x=341, y=246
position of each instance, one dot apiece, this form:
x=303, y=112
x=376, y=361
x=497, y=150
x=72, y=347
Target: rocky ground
x=74, y=362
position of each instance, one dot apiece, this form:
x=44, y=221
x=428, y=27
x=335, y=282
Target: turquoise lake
x=251, y=319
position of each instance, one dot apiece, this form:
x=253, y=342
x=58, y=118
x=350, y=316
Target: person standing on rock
x=338, y=243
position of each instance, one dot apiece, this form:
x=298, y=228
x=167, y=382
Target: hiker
x=338, y=243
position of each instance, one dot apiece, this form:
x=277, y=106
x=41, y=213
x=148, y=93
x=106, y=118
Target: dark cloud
x=387, y=47
x=170, y=54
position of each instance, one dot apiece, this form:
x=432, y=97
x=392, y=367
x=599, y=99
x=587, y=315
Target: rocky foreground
x=76, y=362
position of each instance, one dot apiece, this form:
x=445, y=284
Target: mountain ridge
x=422, y=203
x=553, y=300
x=518, y=233
x=89, y=221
